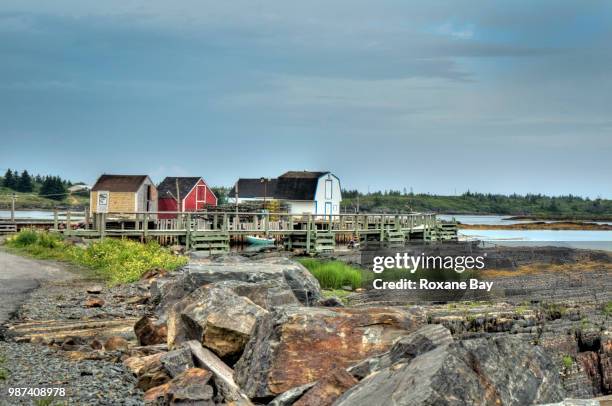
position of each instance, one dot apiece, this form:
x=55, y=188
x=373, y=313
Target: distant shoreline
x=540, y=225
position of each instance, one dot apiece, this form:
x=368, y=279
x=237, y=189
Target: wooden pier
x=215, y=231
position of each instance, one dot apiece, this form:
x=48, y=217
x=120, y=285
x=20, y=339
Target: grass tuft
x=117, y=261
x=333, y=274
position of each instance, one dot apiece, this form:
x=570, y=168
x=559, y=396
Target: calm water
x=491, y=220
x=36, y=214
x=587, y=239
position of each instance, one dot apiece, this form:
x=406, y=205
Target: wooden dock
x=215, y=231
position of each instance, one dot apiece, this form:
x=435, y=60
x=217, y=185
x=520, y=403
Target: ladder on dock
x=214, y=242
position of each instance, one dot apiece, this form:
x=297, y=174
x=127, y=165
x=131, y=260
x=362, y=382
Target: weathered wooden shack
x=193, y=193
x=123, y=193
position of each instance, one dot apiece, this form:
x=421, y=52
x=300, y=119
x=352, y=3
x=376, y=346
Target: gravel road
x=19, y=275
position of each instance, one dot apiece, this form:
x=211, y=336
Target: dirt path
x=19, y=275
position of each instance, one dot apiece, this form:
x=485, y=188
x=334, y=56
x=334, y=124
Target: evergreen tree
x=24, y=184
x=53, y=188
x=9, y=179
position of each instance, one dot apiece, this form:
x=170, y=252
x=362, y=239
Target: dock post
x=55, y=221
x=308, y=231
x=188, y=232
x=102, y=225
x=145, y=226
x=67, y=230
x=266, y=223
x=13, y=208
x=87, y=218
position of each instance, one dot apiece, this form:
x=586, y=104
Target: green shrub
x=117, y=261
x=25, y=238
x=333, y=274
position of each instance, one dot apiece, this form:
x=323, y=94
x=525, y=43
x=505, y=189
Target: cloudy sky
x=438, y=96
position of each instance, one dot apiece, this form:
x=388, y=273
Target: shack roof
x=119, y=183
x=292, y=185
x=167, y=188
x=252, y=188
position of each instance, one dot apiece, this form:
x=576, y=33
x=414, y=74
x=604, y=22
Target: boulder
x=177, y=361
x=486, y=371
x=216, y=317
x=148, y=332
x=95, y=289
x=189, y=387
x=137, y=365
x=327, y=389
x=274, y=273
x=266, y=294
x=406, y=348
x=116, y=343
x=292, y=346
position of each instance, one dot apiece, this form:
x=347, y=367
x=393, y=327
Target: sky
x=434, y=96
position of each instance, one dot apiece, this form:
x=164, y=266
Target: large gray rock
x=216, y=317
x=277, y=274
x=487, y=371
x=292, y=346
x=404, y=350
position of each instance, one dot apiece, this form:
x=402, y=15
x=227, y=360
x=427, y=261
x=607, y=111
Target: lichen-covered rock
x=405, y=349
x=276, y=274
x=216, y=317
x=293, y=346
x=487, y=371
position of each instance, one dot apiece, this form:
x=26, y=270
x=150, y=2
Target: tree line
x=476, y=203
x=52, y=187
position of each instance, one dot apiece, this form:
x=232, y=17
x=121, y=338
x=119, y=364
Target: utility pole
x=178, y=196
x=236, y=196
x=13, y=208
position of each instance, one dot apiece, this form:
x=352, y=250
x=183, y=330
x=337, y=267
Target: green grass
x=568, y=361
x=114, y=260
x=333, y=274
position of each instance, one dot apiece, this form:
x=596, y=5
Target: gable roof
x=167, y=188
x=119, y=183
x=252, y=188
x=303, y=174
x=292, y=185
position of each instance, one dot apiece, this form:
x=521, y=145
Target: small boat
x=252, y=239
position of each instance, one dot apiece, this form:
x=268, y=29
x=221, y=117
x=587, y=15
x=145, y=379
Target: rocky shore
x=234, y=330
